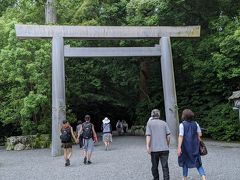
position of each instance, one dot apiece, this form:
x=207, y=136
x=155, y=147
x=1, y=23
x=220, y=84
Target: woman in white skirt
x=107, y=133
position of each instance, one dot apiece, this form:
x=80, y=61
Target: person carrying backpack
x=89, y=138
x=107, y=133
x=66, y=139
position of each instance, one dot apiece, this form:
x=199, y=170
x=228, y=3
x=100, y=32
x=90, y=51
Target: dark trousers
x=163, y=157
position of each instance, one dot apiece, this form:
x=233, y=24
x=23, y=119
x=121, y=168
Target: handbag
x=202, y=149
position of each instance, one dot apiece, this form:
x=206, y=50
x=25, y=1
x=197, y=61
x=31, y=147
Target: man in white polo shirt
x=157, y=143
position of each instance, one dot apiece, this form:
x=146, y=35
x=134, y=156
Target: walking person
x=157, y=144
x=188, y=145
x=119, y=127
x=89, y=138
x=125, y=126
x=107, y=133
x=66, y=136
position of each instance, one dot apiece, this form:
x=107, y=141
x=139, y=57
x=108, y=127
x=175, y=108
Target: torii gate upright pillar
x=169, y=90
x=58, y=92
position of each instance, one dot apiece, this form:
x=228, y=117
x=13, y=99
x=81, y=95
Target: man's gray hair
x=155, y=113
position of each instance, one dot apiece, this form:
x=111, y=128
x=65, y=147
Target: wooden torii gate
x=59, y=51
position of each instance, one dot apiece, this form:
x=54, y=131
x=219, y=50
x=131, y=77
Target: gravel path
x=126, y=161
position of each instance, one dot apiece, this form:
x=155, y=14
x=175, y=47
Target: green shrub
x=222, y=123
x=41, y=141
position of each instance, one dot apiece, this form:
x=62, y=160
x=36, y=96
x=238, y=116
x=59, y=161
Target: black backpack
x=65, y=136
x=87, y=131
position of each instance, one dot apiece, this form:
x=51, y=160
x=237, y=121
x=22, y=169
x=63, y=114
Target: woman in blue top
x=188, y=145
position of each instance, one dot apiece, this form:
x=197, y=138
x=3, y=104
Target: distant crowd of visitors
x=189, y=150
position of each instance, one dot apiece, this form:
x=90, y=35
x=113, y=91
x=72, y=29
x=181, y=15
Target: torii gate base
x=58, y=33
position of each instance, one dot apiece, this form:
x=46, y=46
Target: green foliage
x=25, y=93
x=142, y=12
x=213, y=73
x=206, y=69
x=5, y=4
x=41, y=141
x=222, y=123
x=226, y=60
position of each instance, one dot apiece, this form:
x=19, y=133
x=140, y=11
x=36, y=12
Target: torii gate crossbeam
x=58, y=33
x=112, y=51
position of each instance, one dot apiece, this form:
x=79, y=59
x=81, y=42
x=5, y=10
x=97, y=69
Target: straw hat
x=106, y=120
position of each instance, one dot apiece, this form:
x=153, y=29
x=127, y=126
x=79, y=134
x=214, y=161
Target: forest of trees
x=207, y=69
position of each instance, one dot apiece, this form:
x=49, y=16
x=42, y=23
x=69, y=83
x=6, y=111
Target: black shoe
x=67, y=162
x=89, y=162
x=85, y=160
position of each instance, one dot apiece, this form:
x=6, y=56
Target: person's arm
x=73, y=134
x=168, y=134
x=199, y=131
x=148, y=143
x=76, y=132
x=168, y=139
x=94, y=134
x=148, y=138
x=180, y=139
x=199, y=136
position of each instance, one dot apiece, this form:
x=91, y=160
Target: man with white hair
x=157, y=143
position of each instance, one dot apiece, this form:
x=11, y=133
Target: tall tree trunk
x=144, y=74
x=50, y=12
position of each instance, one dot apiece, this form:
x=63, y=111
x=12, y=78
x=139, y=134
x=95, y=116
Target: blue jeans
x=200, y=171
